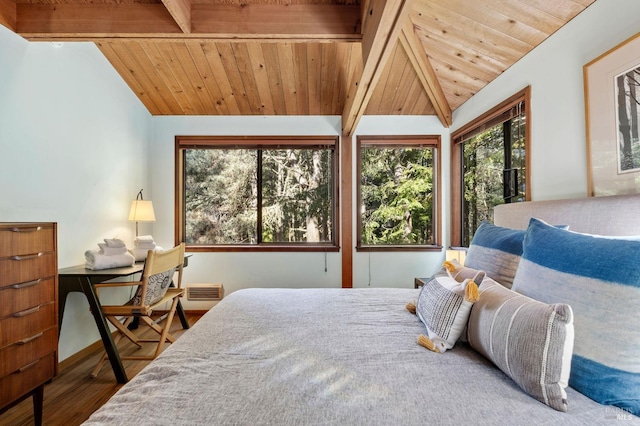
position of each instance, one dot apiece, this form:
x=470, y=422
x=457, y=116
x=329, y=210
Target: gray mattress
x=330, y=357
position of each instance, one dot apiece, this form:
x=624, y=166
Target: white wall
x=554, y=71
x=73, y=148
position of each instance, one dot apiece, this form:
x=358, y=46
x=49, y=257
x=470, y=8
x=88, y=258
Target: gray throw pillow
x=530, y=341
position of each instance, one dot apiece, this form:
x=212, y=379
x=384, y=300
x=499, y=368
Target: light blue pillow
x=496, y=251
x=600, y=279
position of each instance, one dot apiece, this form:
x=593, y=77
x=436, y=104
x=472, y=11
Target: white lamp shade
x=142, y=211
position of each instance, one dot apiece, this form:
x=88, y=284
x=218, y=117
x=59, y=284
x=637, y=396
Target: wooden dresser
x=28, y=312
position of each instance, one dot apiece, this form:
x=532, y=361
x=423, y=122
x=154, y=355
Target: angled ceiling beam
x=381, y=27
x=252, y=22
x=180, y=10
x=8, y=14
x=415, y=50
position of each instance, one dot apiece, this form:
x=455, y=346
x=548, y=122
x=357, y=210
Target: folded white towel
x=140, y=254
x=111, y=251
x=96, y=260
x=147, y=238
x=145, y=245
x=114, y=242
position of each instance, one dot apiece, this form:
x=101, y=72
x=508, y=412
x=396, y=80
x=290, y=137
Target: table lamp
x=141, y=211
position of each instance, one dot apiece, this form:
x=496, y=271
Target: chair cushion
x=530, y=341
x=600, y=278
x=156, y=288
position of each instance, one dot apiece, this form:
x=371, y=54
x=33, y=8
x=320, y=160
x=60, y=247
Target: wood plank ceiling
x=300, y=57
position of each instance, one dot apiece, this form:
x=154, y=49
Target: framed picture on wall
x=612, y=107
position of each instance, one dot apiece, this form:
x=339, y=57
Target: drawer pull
x=29, y=339
x=27, y=257
x=26, y=367
x=27, y=284
x=29, y=229
x=27, y=312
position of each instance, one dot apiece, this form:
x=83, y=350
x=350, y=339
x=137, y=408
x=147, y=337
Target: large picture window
x=398, y=195
x=490, y=165
x=257, y=193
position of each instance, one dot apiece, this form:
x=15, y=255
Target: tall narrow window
x=398, y=193
x=261, y=192
x=489, y=165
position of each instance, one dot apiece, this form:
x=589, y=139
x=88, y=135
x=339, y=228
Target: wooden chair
x=153, y=291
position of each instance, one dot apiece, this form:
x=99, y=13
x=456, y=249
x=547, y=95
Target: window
x=490, y=165
x=398, y=193
x=275, y=193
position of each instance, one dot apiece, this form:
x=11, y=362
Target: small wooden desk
x=79, y=279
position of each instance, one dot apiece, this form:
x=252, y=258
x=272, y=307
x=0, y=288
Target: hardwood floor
x=73, y=395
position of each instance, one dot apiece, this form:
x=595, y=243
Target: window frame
x=485, y=121
x=416, y=141
x=183, y=143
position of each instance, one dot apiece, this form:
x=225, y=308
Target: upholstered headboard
x=615, y=215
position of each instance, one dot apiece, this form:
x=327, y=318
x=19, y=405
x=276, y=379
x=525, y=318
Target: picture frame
x=612, y=113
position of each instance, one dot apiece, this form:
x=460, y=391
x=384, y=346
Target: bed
x=348, y=357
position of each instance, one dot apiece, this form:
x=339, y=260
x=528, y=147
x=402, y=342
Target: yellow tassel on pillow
x=471, y=293
x=425, y=342
x=411, y=307
x=449, y=266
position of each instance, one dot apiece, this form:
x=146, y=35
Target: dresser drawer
x=21, y=296
x=28, y=350
x=24, y=380
x=17, y=239
x=27, y=323
x=23, y=268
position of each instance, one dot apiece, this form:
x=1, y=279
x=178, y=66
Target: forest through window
x=246, y=194
x=397, y=192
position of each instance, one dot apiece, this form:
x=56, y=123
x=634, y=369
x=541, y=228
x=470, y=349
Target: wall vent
x=205, y=292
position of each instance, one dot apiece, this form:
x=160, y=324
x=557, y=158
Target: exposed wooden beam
x=426, y=74
x=346, y=206
x=257, y=22
x=381, y=28
x=8, y=14
x=180, y=10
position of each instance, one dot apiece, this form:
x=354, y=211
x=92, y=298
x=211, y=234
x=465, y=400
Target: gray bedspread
x=328, y=357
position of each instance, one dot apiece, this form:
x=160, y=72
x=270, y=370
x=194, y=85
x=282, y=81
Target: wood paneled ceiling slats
x=300, y=69
x=300, y=57
x=215, y=99
x=228, y=98
x=328, y=67
x=288, y=87
x=247, y=76
x=172, y=82
x=374, y=107
x=260, y=67
x=232, y=73
x=314, y=67
x=491, y=14
x=564, y=10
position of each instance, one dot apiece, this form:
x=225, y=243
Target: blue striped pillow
x=600, y=279
x=496, y=251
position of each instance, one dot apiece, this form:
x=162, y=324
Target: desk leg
x=105, y=334
x=183, y=317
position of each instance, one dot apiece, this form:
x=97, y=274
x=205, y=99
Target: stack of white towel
x=112, y=254
x=143, y=244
